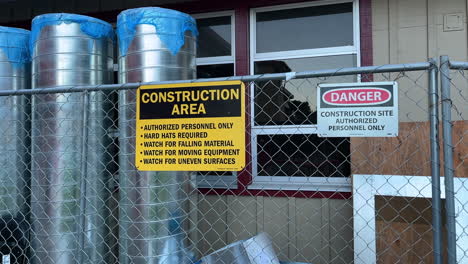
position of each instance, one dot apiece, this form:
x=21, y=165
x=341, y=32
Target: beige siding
x=212, y=223
x=412, y=31
x=309, y=230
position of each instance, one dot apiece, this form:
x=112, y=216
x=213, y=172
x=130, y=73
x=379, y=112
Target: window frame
x=220, y=59
x=215, y=181
x=342, y=184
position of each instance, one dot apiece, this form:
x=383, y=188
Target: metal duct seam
x=170, y=26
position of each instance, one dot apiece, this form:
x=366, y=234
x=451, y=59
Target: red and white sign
x=364, y=96
x=358, y=109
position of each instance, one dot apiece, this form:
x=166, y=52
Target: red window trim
x=242, y=68
x=241, y=9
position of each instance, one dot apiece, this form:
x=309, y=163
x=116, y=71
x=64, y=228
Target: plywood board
x=403, y=230
x=407, y=154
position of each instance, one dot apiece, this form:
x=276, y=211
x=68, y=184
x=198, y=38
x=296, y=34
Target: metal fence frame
x=433, y=98
x=448, y=148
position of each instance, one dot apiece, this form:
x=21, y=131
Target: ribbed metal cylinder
x=69, y=138
x=153, y=205
x=15, y=70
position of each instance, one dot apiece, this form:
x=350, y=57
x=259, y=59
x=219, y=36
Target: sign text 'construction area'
x=191, y=127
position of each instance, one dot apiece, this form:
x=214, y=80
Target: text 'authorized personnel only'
x=191, y=127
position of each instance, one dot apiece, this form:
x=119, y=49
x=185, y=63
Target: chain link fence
x=66, y=197
x=454, y=74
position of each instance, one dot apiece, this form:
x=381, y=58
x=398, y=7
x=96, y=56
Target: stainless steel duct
x=155, y=44
x=15, y=70
x=70, y=144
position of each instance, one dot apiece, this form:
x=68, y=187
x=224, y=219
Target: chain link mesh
x=459, y=144
x=61, y=195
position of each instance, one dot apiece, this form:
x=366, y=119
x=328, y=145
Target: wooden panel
x=412, y=94
x=260, y=223
x=241, y=218
x=394, y=22
x=212, y=223
x=459, y=94
x=403, y=227
x=292, y=228
x=325, y=231
x=411, y=23
x=309, y=230
x=451, y=43
x=407, y=154
x=194, y=233
x=275, y=217
x=341, y=231
x=404, y=243
x=460, y=142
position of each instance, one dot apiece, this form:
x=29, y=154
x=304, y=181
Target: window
x=215, y=50
x=215, y=58
x=287, y=153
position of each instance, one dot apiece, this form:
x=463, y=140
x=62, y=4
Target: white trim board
x=366, y=187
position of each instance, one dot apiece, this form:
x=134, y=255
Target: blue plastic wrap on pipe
x=170, y=26
x=14, y=44
x=90, y=26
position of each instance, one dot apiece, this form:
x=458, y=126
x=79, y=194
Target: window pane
x=215, y=37
x=303, y=156
x=215, y=71
x=294, y=102
x=305, y=28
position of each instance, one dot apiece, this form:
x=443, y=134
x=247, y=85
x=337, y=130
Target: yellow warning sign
x=191, y=127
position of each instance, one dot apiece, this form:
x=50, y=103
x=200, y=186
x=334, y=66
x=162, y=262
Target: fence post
x=83, y=178
x=433, y=95
x=448, y=159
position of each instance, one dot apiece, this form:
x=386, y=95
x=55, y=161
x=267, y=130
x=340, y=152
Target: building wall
x=309, y=230
x=320, y=230
x=411, y=31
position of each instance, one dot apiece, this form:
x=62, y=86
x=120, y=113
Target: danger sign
x=191, y=127
x=358, y=110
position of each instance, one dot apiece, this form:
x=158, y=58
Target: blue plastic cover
x=90, y=26
x=170, y=26
x=14, y=43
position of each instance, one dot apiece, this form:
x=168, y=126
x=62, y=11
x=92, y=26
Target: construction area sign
x=191, y=127
x=357, y=109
